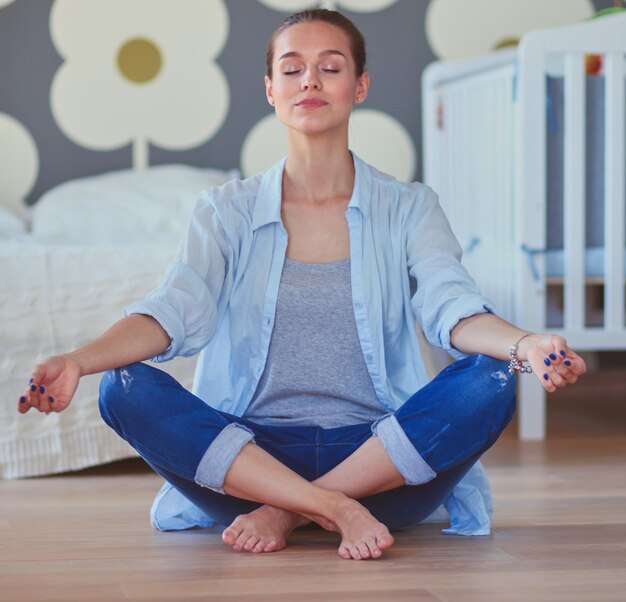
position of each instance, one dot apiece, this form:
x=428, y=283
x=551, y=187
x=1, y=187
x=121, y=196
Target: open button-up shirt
x=219, y=297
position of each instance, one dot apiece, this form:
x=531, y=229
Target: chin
x=317, y=127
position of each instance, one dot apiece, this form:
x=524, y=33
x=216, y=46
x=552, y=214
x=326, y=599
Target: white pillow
x=124, y=207
x=11, y=226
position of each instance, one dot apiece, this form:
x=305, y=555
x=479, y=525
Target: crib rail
x=614, y=190
x=606, y=37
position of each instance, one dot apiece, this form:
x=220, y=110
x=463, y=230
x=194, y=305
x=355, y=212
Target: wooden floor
x=559, y=532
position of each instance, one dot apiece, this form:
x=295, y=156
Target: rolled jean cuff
x=219, y=456
x=402, y=452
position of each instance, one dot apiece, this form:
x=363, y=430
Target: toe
x=344, y=553
x=230, y=535
x=384, y=541
x=374, y=550
x=250, y=543
x=271, y=546
x=241, y=540
x=259, y=546
x=364, y=551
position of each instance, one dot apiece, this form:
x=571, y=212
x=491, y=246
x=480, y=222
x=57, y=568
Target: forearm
x=486, y=334
x=132, y=339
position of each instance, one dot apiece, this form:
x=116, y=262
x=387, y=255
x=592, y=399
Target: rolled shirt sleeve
x=187, y=302
x=445, y=292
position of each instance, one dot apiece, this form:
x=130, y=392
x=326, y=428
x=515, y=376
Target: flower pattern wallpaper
x=92, y=86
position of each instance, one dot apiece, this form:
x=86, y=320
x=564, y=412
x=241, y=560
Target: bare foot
x=263, y=530
x=362, y=536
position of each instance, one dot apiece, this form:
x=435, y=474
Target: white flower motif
x=360, y=6
x=139, y=72
x=19, y=163
x=459, y=29
x=375, y=136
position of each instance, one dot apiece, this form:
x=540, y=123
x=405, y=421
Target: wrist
x=517, y=359
x=76, y=358
x=524, y=343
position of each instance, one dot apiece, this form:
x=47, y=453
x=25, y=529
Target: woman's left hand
x=552, y=361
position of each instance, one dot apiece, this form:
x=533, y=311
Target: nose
x=310, y=81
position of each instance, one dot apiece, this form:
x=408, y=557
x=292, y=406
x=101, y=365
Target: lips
x=311, y=103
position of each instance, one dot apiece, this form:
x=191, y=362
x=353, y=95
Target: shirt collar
x=267, y=206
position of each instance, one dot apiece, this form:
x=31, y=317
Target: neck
x=318, y=168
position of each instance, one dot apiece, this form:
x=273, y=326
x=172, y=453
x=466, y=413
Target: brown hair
x=332, y=17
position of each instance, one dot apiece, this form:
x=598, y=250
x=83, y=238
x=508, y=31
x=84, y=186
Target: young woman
x=299, y=288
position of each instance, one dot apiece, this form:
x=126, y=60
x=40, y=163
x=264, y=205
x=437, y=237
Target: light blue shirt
x=219, y=297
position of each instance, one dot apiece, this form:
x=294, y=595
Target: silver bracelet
x=515, y=364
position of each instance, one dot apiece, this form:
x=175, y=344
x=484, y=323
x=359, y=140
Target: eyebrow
x=323, y=53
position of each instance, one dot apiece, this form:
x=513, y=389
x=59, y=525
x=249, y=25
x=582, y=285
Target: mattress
x=594, y=258
x=54, y=298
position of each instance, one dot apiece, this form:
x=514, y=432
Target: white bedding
x=97, y=244
x=54, y=298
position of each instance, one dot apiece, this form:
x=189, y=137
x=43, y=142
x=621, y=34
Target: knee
x=116, y=388
x=490, y=388
x=498, y=388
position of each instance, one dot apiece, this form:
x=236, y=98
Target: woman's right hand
x=52, y=386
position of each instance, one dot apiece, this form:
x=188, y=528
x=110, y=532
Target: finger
x=32, y=395
x=569, y=364
x=55, y=406
x=38, y=398
x=568, y=370
x=22, y=405
x=39, y=374
x=577, y=364
x=546, y=382
x=44, y=404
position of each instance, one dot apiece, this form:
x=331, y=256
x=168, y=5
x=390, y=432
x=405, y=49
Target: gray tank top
x=315, y=374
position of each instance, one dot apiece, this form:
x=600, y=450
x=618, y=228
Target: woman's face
x=314, y=84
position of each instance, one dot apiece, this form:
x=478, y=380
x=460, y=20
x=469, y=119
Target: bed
x=525, y=147
x=92, y=246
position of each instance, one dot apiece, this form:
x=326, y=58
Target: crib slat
x=615, y=160
x=574, y=189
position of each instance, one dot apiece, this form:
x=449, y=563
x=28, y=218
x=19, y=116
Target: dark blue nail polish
x=563, y=354
x=42, y=389
x=552, y=357
x=50, y=399
x=33, y=388
x=545, y=377
x=567, y=363
x=546, y=361
x=22, y=399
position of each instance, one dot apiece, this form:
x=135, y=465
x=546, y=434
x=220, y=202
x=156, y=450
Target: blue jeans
x=450, y=422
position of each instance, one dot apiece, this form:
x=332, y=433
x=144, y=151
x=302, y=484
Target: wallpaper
x=88, y=86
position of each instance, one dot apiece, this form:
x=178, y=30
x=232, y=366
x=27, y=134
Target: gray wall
x=398, y=52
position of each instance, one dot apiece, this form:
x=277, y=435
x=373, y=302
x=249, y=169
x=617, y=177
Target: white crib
x=543, y=230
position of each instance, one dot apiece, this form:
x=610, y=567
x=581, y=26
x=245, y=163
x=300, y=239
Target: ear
x=268, y=90
x=363, y=85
